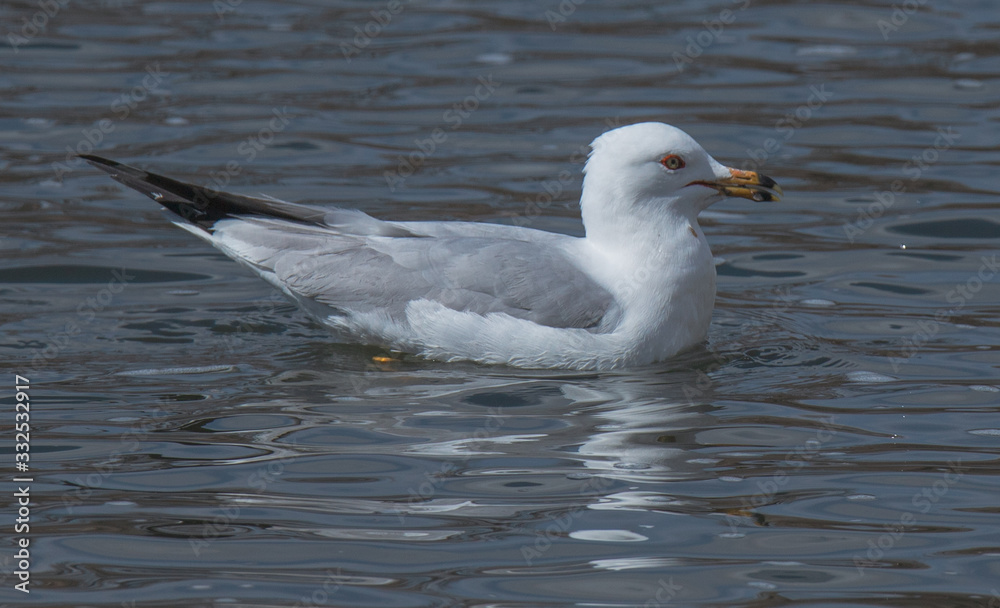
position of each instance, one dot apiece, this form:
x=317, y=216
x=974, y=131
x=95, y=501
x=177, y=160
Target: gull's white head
x=650, y=170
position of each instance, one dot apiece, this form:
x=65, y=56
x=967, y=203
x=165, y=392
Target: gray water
x=198, y=441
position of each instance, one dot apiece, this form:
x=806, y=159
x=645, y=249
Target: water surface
x=196, y=440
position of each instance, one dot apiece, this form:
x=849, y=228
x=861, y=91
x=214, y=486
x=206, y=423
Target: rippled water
x=196, y=440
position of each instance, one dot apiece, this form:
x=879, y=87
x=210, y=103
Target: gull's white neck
x=653, y=257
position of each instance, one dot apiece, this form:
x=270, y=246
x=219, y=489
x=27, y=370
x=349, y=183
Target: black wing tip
x=99, y=160
x=112, y=167
x=187, y=201
x=202, y=205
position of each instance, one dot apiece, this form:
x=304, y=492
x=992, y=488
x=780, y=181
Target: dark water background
x=198, y=441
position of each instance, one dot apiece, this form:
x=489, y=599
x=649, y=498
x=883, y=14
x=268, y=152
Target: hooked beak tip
x=746, y=184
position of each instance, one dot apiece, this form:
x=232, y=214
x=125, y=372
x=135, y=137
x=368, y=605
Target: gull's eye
x=672, y=162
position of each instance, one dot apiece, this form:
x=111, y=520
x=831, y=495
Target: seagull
x=638, y=288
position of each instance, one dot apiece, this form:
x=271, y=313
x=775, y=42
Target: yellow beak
x=746, y=184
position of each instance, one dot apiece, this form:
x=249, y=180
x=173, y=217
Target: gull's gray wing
x=350, y=262
x=524, y=279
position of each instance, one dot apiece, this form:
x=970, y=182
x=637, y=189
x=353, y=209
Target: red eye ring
x=672, y=162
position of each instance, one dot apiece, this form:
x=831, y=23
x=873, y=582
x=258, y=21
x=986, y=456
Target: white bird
x=638, y=288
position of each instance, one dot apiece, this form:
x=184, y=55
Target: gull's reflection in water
x=471, y=441
x=639, y=425
x=624, y=425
